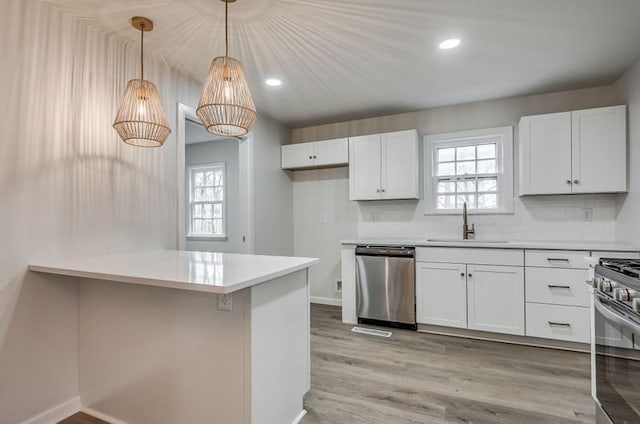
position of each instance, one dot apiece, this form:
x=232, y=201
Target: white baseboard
x=300, y=416
x=101, y=416
x=326, y=301
x=57, y=413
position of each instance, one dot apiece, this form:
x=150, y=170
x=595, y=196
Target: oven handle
x=613, y=316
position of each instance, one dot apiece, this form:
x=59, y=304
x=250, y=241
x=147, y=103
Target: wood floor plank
x=417, y=377
x=82, y=418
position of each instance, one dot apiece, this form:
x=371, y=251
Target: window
x=207, y=200
x=472, y=167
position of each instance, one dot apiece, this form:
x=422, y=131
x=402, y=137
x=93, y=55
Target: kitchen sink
x=454, y=240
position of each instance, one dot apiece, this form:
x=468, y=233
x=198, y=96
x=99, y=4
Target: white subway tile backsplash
x=534, y=218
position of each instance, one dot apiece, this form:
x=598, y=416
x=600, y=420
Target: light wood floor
x=81, y=418
x=422, y=378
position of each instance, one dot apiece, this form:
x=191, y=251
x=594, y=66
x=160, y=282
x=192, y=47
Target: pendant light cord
x=226, y=27
x=142, y=51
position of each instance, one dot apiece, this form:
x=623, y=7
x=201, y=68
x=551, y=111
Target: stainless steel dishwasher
x=385, y=286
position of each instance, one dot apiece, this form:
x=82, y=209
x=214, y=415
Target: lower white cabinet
x=487, y=292
x=557, y=296
x=558, y=286
x=559, y=322
x=441, y=294
x=495, y=298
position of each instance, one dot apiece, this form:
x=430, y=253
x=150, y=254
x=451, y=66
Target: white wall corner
x=57, y=413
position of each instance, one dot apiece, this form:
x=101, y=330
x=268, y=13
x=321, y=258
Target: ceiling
x=349, y=59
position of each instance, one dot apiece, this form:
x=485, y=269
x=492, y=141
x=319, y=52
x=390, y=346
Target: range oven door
x=617, y=338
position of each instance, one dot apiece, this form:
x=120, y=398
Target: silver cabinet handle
x=558, y=260
x=557, y=286
x=559, y=324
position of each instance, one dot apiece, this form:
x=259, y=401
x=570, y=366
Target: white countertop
x=196, y=271
x=511, y=244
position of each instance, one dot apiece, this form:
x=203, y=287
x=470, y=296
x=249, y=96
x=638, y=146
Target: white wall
x=273, y=190
x=534, y=218
x=226, y=151
x=68, y=186
x=627, y=227
x=319, y=193
x=152, y=361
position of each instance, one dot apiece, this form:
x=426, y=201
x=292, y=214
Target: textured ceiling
x=347, y=59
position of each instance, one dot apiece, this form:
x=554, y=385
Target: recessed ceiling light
x=273, y=82
x=451, y=43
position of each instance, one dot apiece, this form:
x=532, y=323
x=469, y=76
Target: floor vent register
x=371, y=332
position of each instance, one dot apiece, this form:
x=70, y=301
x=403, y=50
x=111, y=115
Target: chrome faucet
x=466, y=231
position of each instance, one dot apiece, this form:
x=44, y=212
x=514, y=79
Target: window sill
x=207, y=238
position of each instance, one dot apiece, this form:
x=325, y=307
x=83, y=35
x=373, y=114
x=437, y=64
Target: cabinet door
x=545, y=154
x=600, y=150
x=400, y=172
x=364, y=168
x=496, y=298
x=297, y=155
x=441, y=294
x=331, y=152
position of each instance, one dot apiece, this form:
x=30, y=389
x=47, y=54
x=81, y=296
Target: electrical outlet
x=323, y=218
x=338, y=286
x=225, y=302
x=375, y=216
x=587, y=214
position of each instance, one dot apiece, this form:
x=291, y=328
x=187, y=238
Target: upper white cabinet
x=315, y=155
x=384, y=166
x=364, y=170
x=574, y=152
x=545, y=154
x=599, y=150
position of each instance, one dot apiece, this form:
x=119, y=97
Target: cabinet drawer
x=556, y=258
x=557, y=286
x=570, y=323
x=484, y=256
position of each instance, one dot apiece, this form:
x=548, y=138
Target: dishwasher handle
x=394, y=252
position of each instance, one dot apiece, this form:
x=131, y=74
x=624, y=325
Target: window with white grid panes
x=206, y=200
x=467, y=174
x=472, y=167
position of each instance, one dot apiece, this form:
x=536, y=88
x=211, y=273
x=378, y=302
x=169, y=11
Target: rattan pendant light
x=226, y=107
x=141, y=120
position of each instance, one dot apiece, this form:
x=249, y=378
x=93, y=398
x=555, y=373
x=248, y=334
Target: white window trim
x=220, y=237
x=504, y=155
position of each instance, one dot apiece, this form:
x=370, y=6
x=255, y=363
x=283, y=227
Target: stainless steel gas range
x=617, y=340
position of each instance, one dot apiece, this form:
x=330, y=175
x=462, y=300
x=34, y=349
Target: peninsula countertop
x=498, y=244
x=195, y=271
